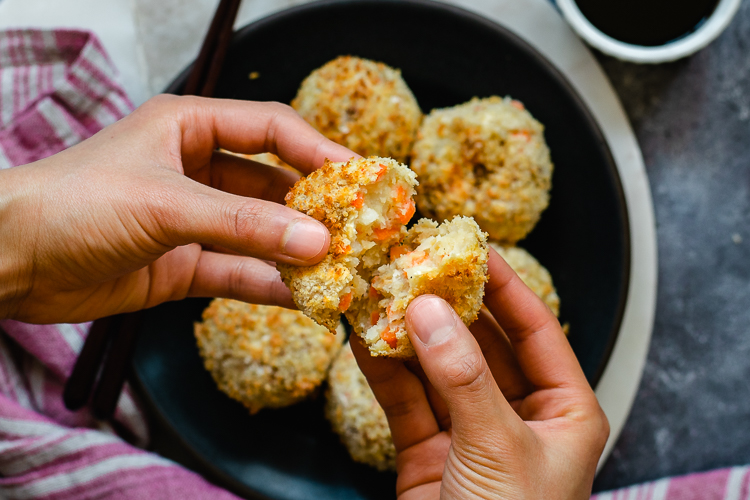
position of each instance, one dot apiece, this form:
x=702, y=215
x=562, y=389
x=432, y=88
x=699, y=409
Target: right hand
x=505, y=412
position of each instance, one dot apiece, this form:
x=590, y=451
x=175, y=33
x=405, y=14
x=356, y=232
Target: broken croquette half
x=365, y=204
x=448, y=260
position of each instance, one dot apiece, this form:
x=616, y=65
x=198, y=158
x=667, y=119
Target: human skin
x=147, y=211
x=503, y=411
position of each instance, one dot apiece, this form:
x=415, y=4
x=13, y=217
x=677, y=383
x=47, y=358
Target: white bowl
x=671, y=51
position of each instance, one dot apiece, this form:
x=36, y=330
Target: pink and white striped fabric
x=721, y=484
x=56, y=89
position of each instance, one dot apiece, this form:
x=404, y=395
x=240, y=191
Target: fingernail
x=432, y=320
x=303, y=239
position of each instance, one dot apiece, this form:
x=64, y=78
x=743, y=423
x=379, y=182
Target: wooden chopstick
x=202, y=81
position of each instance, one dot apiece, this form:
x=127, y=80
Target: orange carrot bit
x=380, y=173
x=517, y=104
x=408, y=212
x=418, y=257
x=374, y=294
x=359, y=200
x=345, y=302
x=384, y=233
x=398, y=251
x=389, y=336
x=374, y=318
x=342, y=249
x=525, y=134
x=405, y=205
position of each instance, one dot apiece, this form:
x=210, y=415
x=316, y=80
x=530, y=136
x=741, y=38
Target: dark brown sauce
x=647, y=22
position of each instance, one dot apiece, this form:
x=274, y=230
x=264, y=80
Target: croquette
x=374, y=267
x=361, y=104
x=365, y=204
x=487, y=159
x=264, y=356
x=532, y=273
x=448, y=260
x=356, y=416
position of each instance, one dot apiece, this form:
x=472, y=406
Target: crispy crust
x=487, y=159
x=330, y=195
x=264, y=356
x=362, y=104
x=356, y=416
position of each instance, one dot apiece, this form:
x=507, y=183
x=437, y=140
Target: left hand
x=129, y=218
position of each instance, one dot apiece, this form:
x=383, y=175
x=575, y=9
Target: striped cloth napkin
x=56, y=89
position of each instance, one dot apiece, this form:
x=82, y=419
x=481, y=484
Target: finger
x=543, y=352
x=401, y=395
x=244, y=177
x=182, y=211
x=243, y=127
x=240, y=278
x=500, y=357
x=453, y=361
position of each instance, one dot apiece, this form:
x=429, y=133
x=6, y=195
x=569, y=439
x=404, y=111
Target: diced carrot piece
x=408, y=212
x=342, y=249
x=380, y=173
x=389, y=336
x=345, y=302
x=359, y=201
x=374, y=294
x=525, y=134
x=517, y=104
x=374, y=318
x=418, y=257
x=398, y=251
x=383, y=234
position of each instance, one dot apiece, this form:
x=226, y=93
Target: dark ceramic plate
x=447, y=56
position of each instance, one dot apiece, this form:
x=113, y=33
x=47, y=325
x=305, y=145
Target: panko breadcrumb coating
x=532, y=273
x=488, y=159
x=264, y=356
x=364, y=203
x=361, y=104
x=356, y=416
x=449, y=260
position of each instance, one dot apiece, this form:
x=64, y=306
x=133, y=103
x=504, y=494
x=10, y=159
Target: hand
x=503, y=413
x=116, y=223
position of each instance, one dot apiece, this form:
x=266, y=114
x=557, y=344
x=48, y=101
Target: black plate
x=446, y=56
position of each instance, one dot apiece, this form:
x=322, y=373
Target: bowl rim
x=682, y=47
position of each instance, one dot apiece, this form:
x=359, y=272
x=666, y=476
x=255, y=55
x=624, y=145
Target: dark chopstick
x=81, y=381
x=121, y=330
x=207, y=66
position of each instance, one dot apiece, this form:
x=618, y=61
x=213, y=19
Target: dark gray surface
x=692, y=119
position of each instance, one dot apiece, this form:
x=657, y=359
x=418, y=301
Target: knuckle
x=237, y=281
x=468, y=373
x=249, y=218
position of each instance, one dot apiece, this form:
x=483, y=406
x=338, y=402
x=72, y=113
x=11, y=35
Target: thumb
x=455, y=365
x=249, y=226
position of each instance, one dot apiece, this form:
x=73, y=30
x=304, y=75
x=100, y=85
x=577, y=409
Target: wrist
x=16, y=234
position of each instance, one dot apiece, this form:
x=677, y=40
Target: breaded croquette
x=365, y=204
x=356, y=416
x=488, y=159
x=532, y=273
x=361, y=104
x=449, y=260
x=374, y=268
x=264, y=356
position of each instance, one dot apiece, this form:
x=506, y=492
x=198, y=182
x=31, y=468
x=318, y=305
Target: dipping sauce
x=646, y=22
